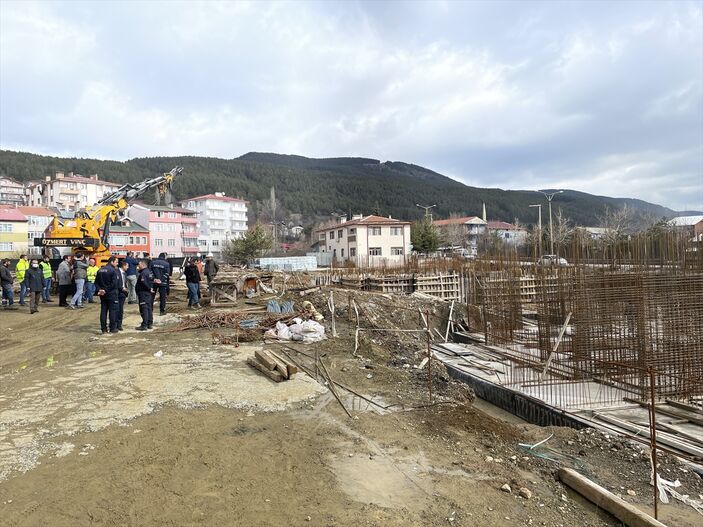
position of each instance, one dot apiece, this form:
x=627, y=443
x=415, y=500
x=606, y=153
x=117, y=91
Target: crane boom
x=88, y=232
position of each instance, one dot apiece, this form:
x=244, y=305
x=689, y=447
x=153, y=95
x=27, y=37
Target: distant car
x=553, y=259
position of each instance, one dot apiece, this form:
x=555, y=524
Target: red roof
x=12, y=215
x=372, y=220
x=35, y=211
x=218, y=198
x=503, y=226
x=455, y=221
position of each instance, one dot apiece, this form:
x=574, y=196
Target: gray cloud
x=600, y=97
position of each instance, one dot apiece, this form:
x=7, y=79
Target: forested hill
x=318, y=187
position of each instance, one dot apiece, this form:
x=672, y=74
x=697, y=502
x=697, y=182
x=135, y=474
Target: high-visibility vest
x=46, y=269
x=92, y=271
x=22, y=266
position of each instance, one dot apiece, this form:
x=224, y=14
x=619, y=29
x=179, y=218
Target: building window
x=334, y=253
x=5, y=227
x=158, y=242
x=352, y=251
x=172, y=215
x=331, y=235
x=131, y=240
x=6, y=246
x=397, y=251
x=340, y=233
x=215, y=243
x=374, y=251
x=396, y=231
x=171, y=242
x=341, y=253
x=202, y=243
x=352, y=230
x=375, y=231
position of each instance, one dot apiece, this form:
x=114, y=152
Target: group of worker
x=127, y=280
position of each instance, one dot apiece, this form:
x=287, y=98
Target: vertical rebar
x=653, y=436
x=429, y=355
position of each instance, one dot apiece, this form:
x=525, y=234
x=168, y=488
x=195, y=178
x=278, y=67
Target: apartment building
x=367, y=241
x=13, y=233
x=68, y=191
x=38, y=219
x=173, y=230
x=11, y=192
x=220, y=218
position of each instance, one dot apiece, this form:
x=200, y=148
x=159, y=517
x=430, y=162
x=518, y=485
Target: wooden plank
x=273, y=375
x=684, y=406
x=290, y=367
x=623, y=511
x=664, y=411
x=265, y=359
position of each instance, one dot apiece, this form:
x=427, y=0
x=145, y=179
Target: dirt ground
x=97, y=431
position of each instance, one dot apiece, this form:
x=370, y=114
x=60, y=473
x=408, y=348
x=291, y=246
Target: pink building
x=173, y=230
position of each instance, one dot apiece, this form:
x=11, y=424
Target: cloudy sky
x=601, y=97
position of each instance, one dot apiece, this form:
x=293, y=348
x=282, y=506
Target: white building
x=507, y=232
x=38, y=219
x=11, y=192
x=220, y=218
x=68, y=191
x=368, y=241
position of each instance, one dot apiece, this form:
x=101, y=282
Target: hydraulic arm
x=88, y=232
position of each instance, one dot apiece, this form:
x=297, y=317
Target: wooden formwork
x=446, y=286
x=401, y=284
x=223, y=294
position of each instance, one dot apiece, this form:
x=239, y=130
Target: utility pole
x=427, y=208
x=550, y=197
x=539, y=222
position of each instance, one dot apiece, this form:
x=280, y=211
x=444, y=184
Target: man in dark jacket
x=34, y=284
x=6, y=280
x=145, y=294
x=162, y=274
x=107, y=282
x=193, y=283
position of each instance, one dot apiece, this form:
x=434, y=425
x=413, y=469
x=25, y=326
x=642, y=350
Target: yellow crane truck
x=89, y=230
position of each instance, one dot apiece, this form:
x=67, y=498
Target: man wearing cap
x=162, y=275
x=211, y=269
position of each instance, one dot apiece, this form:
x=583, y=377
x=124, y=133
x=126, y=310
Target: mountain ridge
x=318, y=187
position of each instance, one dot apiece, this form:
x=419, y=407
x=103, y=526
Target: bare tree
x=618, y=224
x=455, y=233
x=563, y=230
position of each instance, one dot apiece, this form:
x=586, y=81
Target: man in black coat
x=162, y=274
x=34, y=283
x=107, y=282
x=145, y=295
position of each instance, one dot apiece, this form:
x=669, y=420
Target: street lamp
x=550, y=197
x=427, y=209
x=539, y=222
